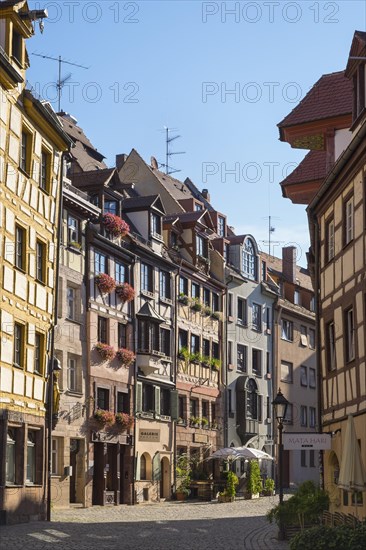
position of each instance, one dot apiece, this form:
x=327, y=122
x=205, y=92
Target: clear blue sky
x=173, y=63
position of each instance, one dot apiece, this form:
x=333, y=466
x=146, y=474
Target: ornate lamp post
x=280, y=405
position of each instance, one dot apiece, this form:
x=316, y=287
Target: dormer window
x=249, y=260
x=155, y=224
x=17, y=47
x=359, y=91
x=110, y=207
x=221, y=226
x=201, y=246
x=197, y=207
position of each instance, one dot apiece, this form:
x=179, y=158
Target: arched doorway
x=165, y=478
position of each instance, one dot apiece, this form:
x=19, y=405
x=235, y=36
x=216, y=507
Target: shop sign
x=199, y=438
x=149, y=435
x=312, y=441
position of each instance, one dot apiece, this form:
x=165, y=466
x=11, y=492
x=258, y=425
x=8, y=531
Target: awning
x=352, y=475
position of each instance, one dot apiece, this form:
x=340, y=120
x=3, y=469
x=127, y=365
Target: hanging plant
x=115, y=225
x=104, y=417
x=125, y=356
x=125, y=292
x=125, y=420
x=106, y=351
x=105, y=283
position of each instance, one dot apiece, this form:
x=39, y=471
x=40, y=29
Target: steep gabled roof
x=330, y=96
x=198, y=216
x=141, y=202
x=275, y=265
x=93, y=177
x=311, y=168
x=358, y=49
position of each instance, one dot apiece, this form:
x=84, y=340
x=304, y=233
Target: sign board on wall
x=149, y=435
x=316, y=442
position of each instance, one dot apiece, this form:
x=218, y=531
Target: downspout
x=277, y=312
x=52, y=340
x=177, y=275
x=134, y=331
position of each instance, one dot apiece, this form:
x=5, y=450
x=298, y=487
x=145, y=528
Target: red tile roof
x=330, y=96
x=311, y=168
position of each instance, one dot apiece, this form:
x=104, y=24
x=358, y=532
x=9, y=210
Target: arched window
x=143, y=467
x=249, y=260
x=252, y=400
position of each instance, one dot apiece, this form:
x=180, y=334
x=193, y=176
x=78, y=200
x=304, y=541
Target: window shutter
x=174, y=404
x=138, y=397
x=260, y=408
x=60, y=297
x=157, y=399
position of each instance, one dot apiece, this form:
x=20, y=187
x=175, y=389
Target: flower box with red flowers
x=104, y=417
x=125, y=356
x=125, y=292
x=124, y=421
x=115, y=225
x=106, y=351
x=105, y=283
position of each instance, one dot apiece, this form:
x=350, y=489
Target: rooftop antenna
x=271, y=230
x=168, y=152
x=61, y=81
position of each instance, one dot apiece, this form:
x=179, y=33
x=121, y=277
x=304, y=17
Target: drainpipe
x=52, y=341
x=177, y=275
x=277, y=312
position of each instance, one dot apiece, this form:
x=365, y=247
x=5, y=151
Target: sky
x=221, y=75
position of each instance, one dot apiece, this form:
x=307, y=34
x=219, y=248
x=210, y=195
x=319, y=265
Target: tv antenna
x=61, y=81
x=168, y=153
x=271, y=229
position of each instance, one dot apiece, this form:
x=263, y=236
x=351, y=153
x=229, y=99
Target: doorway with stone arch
x=165, y=478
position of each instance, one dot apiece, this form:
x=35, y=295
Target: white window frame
x=349, y=220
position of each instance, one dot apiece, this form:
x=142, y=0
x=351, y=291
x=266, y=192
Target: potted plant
x=195, y=357
x=106, y=418
x=125, y=292
x=204, y=422
x=194, y=421
x=216, y=315
x=105, y=283
x=196, y=304
x=183, y=353
x=126, y=356
x=106, y=351
x=75, y=244
x=215, y=363
x=269, y=486
x=115, y=225
x=183, y=299
x=206, y=310
x=232, y=481
x=255, y=481
x=183, y=471
x=206, y=361
x=124, y=421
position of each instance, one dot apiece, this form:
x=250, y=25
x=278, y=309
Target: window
x=230, y=304
x=19, y=341
x=226, y=252
x=17, y=46
x=39, y=353
x=213, y=413
x=257, y=317
x=287, y=330
x=183, y=286
x=205, y=347
x=20, y=248
x=148, y=336
x=205, y=409
x=206, y=297
x=297, y=298
x=201, y=246
x=103, y=399
x=11, y=456
x=165, y=285
x=257, y=362
x=303, y=459
x=286, y=372
x=73, y=234
x=242, y=311
x=241, y=355
x=165, y=401
x=221, y=226
x=31, y=457
x=349, y=334
x=303, y=336
x=303, y=375
x=215, y=350
x=230, y=352
x=249, y=260
x=100, y=263
x=197, y=207
x=173, y=240
x=348, y=221
x=143, y=468
x=165, y=341
x=268, y=317
x=103, y=330
x=70, y=296
x=155, y=224
x=182, y=407
x=312, y=303
x=182, y=339
x=312, y=458
x=195, y=290
x=303, y=416
x=312, y=380
x=193, y=407
x=25, y=152
x=195, y=343
x=312, y=417
x=122, y=335
x=289, y=414
x=45, y=169
x=330, y=346
x=110, y=207
x=146, y=278
x=311, y=338
x=215, y=302
x=72, y=374
x=264, y=271
x=121, y=273
x=252, y=400
x=40, y=261
x=329, y=240
x=55, y=456
x=358, y=91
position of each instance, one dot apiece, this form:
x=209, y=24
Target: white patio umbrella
x=226, y=453
x=352, y=475
x=251, y=454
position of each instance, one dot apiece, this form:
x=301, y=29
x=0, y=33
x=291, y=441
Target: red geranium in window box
x=106, y=351
x=124, y=420
x=106, y=283
x=115, y=225
x=104, y=417
x=126, y=356
x=125, y=292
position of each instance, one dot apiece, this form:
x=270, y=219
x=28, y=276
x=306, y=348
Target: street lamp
x=280, y=405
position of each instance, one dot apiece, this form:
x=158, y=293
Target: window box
x=196, y=304
x=105, y=418
x=125, y=292
x=124, y=421
x=215, y=364
x=216, y=315
x=183, y=299
x=105, y=283
x=125, y=356
x=115, y=225
x=106, y=351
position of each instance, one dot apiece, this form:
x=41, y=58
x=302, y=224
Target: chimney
x=206, y=194
x=154, y=163
x=289, y=263
x=120, y=160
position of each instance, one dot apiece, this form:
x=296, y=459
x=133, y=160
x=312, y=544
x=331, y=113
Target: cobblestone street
x=169, y=526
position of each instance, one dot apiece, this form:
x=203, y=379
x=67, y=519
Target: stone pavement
x=240, y=525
